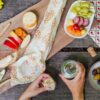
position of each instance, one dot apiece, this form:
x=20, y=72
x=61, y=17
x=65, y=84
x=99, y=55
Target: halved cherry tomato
x=76, y=27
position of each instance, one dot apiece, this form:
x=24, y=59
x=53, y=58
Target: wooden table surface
x=13, y=7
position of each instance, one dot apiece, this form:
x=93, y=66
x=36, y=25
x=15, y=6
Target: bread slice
x=49, y=84
x=2, y=73
x=4, y=86
x=30, y=20
x=8, y=60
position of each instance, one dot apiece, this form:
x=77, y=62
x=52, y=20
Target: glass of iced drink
x=69, y=69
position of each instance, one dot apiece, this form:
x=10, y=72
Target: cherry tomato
x=76, y=27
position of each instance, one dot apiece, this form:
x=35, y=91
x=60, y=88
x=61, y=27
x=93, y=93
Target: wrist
x=24, y=97
x=78, y=96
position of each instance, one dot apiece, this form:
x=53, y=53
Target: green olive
x=97, y=77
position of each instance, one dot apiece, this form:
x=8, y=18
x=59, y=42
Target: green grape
x=85, y=10
x=74, y=10
x=85, y=4
x=78, y=8
x=1, y=4
x=78, y=5
x=89, y=15
x=82, y=9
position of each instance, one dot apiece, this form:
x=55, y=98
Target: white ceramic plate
x=71, y=15
x=93, y=82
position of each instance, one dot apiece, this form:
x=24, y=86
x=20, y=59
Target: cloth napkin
x=32, y=64
x=95, y=32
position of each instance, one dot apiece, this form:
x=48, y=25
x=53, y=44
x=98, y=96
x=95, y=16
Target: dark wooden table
x=13, y=7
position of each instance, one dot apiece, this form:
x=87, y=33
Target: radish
x=10, y=45
x=80, y=23
x=13, y=34
x=14, y=41
x=86, y=22
x=76, y=20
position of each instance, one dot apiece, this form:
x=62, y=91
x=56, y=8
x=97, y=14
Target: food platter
x=61, y=39
x=74, y=17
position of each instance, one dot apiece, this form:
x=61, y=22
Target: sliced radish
x=25, y=41
x=76, y=20
x=2, y=73
x=14, y=41
x=80, y=23
x=10, y=44
x=86, y=22
x=13, y=34
x=8, y=60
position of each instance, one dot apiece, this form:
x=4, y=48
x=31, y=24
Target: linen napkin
x=32, y=64
x=95, y=32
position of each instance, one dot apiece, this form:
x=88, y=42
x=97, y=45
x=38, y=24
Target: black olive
x=94, y=72
x=98, y=82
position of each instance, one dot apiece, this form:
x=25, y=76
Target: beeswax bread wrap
x=32, y=64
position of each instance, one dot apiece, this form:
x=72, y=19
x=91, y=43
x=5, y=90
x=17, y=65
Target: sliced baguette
x=4, y=86
x=2, y=73
x=8, y=60
x=49, y=84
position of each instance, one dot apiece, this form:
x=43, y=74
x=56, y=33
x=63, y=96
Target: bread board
x=61, y=39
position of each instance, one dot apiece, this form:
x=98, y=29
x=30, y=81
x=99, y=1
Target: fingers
x=66, y=81
x=40, y=90
x=81, y=73
x=41, y=78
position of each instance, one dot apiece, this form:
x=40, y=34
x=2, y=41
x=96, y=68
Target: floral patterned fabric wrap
x=32, y=64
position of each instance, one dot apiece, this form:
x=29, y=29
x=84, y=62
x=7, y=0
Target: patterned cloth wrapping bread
x=32, y=64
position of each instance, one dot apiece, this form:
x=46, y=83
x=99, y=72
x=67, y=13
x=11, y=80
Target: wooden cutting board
x=61, y=38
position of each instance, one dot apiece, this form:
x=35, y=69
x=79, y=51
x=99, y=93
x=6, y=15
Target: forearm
x=28, y=99
x=78, y=97
x=25, y=97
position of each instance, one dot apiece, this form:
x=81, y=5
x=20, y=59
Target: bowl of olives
x=94, y=76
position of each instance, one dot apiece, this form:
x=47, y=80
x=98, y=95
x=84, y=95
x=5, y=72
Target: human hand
x=35, y=88
x=76, y=86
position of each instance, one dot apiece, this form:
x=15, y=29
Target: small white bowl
x=71, y=15
x=91, y=80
